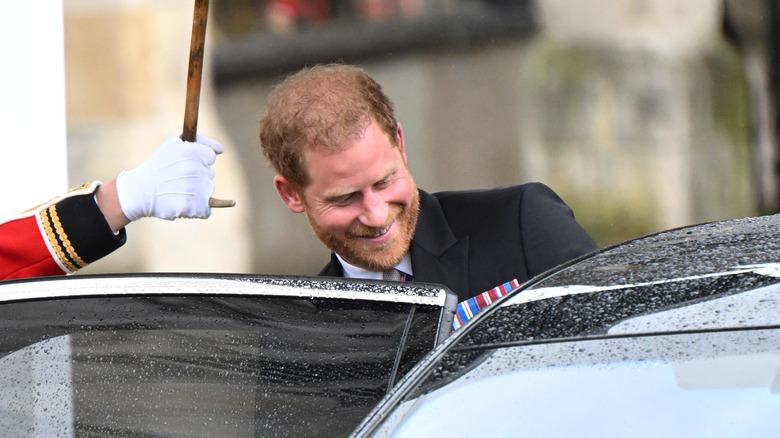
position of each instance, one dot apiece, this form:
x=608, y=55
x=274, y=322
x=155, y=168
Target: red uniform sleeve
x=56, y=238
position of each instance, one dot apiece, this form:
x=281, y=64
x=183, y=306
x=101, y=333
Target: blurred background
x=642, y=114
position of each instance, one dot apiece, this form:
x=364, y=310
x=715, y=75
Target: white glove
x=175, y=181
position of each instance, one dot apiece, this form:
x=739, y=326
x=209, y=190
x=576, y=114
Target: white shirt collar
x=351, y=271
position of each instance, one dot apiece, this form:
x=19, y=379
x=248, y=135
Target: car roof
x=651, y=272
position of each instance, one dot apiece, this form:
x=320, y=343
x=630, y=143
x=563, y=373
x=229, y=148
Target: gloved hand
x=175, y=181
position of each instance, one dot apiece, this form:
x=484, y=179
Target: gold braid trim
x=53, y=243
x=64, y=237
x=56, y=235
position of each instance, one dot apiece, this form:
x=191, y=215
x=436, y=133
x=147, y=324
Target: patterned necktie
x=395, y=275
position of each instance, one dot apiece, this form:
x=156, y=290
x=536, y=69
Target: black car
x=673, y=334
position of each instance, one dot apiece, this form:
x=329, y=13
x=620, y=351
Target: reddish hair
x=321, y=107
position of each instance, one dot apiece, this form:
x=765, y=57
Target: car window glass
x=752, y=308
x=202, y=365
x=31, y=408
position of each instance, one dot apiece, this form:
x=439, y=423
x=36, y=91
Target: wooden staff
x=197, y=44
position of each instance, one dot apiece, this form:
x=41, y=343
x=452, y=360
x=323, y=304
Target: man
x=340, y=157
x=73, y=230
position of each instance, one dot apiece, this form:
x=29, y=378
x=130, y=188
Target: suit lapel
x=333, y=268
x=438, y=256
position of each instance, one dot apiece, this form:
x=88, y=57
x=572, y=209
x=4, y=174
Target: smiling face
x=361, y=201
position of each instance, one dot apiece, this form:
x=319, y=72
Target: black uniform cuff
x=78, y=232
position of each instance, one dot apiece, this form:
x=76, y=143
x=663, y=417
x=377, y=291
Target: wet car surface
x=674, y=334
x=206, y=355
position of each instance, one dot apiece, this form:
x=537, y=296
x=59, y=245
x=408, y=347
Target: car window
x=212, y=363
x=753, y=308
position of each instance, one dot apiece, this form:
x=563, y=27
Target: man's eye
x=343, y=200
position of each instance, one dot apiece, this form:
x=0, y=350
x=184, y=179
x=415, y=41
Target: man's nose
x=375, y=211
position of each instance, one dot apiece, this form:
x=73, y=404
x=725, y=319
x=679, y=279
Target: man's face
x=362, y=201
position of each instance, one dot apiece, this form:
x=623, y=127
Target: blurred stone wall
x=126, y=70
x=635, y=112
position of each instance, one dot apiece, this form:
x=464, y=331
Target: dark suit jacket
x=473, y=241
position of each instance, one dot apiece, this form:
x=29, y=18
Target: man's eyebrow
x=389, y=173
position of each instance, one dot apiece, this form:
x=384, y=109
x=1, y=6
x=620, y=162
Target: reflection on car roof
x=767, y=269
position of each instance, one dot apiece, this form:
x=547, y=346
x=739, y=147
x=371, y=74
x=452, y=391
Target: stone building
x=636, y=112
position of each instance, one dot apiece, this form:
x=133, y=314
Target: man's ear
x=401, y=144
x=289, y=195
